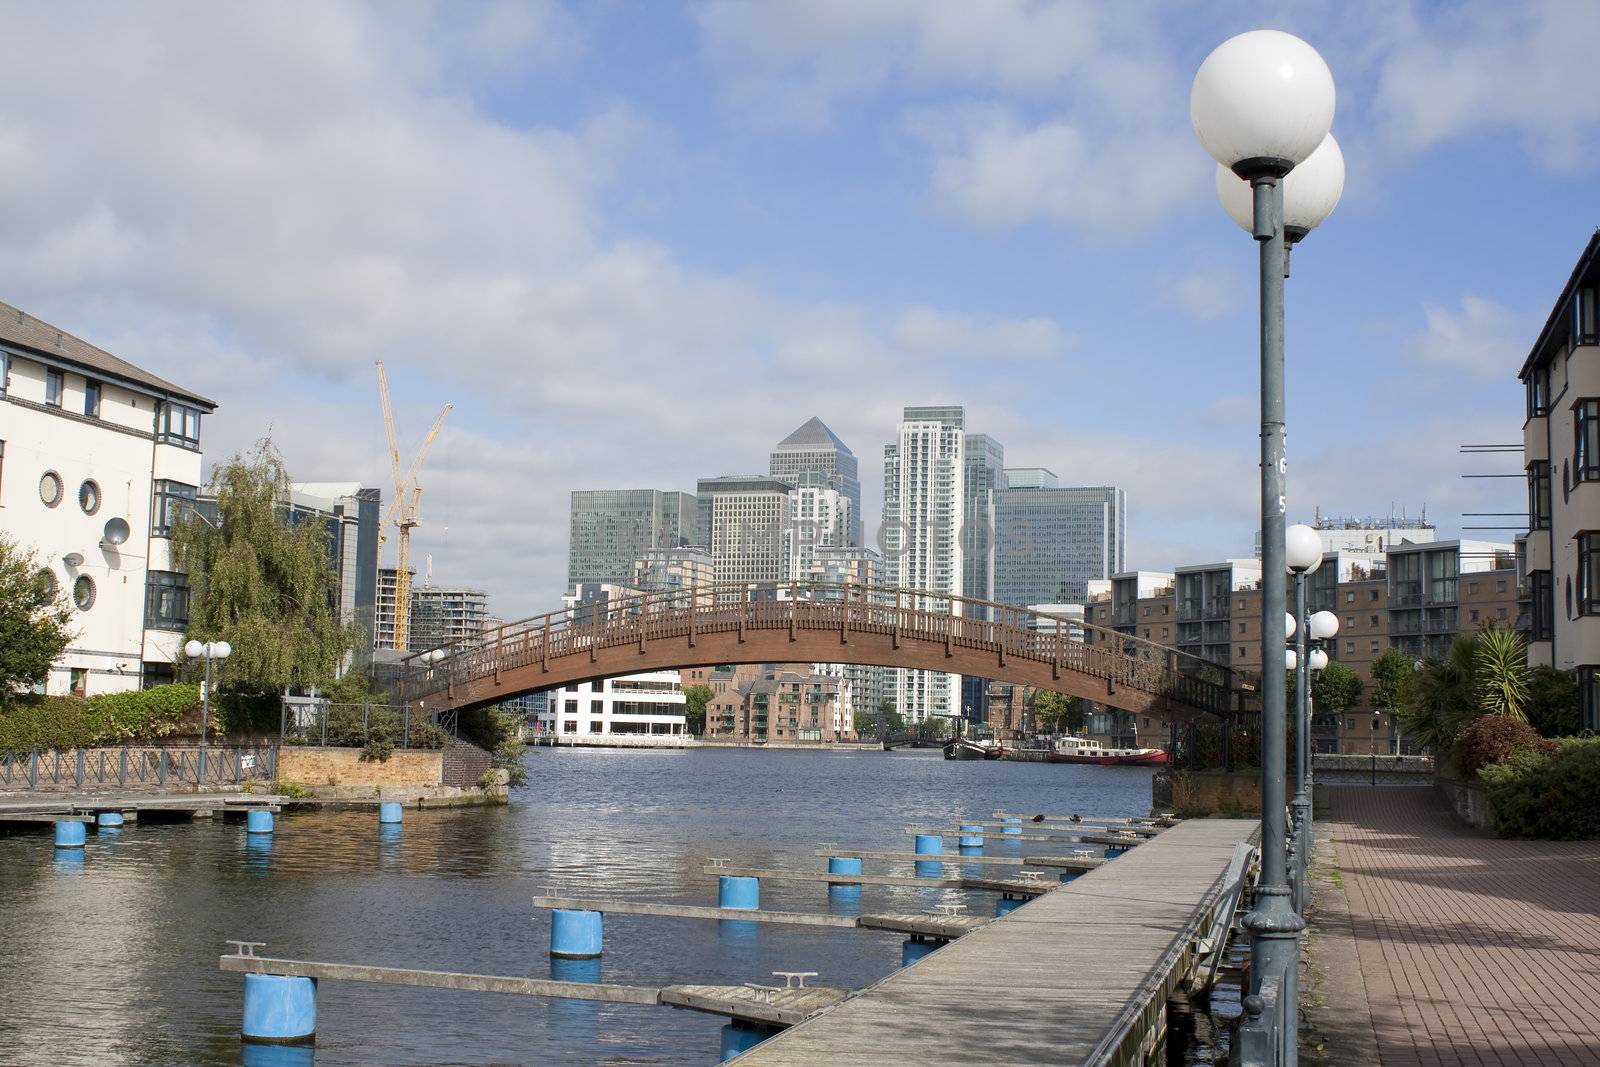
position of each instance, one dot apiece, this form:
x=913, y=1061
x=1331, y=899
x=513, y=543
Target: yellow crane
x=404, y=509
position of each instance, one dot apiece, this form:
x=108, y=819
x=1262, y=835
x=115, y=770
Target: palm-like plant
x=1501, y=673
x=1441, y=698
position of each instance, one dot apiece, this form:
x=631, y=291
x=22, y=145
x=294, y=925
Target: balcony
x=1442, y=591
x=1406, y=595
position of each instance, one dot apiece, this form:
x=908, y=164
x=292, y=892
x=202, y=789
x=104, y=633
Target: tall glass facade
x=1050, y=543
x=610, y=528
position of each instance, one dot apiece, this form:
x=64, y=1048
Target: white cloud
x=1482, y=339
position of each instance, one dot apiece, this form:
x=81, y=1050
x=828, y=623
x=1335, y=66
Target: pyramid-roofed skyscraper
x=814, y=455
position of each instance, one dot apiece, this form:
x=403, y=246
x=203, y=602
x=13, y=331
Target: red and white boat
x=1083, y=750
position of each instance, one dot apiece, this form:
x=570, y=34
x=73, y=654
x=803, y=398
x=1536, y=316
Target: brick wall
x=314, y=766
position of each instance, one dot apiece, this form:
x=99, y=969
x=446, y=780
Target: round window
x=48, y=583
x=83, y=592
x=50, y=489
x=89, y=497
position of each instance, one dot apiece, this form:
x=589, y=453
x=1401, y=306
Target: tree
x=1552, y=702
x=33, y=619
x=1389, y=674
x=1500, y=673
x=1438, y=701
x=865, y=724
x=1335, y=688
x=695, y=699
x=261, y=583
x=1057, y=712
x=893, y=722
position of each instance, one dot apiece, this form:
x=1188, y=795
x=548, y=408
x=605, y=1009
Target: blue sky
x=637, y=243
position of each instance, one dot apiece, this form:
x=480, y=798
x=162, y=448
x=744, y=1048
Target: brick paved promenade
x=1474, y=950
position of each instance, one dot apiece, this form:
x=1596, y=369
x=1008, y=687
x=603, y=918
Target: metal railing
x=319, y=722
x=137, y=766
x=1264, y=1032
x=908, y=614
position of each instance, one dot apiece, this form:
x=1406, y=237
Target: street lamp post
x=1263, y=103
x=210, y=651
x=1303, y=553
x=1320, y=626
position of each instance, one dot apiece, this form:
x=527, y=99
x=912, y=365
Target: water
x=111, y=957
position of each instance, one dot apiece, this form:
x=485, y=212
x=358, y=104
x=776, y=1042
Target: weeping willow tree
x=260, y=582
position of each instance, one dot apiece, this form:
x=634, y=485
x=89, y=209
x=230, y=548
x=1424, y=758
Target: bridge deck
x=1049, y=983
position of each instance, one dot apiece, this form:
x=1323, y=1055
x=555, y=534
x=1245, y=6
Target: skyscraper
x=814, y=455
x=985, y=475
x=1050, y=542
x=924, y=495
x=610, y=528
x=746, y=516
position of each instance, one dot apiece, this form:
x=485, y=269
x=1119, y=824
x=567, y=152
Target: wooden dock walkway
x=83, y=807
x=1020, y=886
x=1064, y=979
x=1065, y=863
x=941, y=927
x=1086, y=837
x=748, y=1003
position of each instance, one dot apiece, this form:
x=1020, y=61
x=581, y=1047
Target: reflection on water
x=108, y=954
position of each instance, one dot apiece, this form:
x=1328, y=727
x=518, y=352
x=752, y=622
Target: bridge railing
x=1122, y=659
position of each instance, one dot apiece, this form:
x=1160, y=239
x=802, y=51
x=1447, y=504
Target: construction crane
x=404, y=509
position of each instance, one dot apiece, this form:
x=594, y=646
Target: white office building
x=633, y=705
x=97, y=460
x=924, y=496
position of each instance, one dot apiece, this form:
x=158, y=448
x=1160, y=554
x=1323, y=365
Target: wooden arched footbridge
x=812, y=622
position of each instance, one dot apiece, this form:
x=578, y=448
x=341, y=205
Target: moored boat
x=1084, y=750
x=961, y=748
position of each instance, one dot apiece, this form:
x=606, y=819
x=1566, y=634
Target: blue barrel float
x=390, y=811
x=70, y=833
x=913, y=949
x=258, y=821
x=110, y=819
x=930, y=844
x=576, y=935
x=1013, y=825
x=971, y=836
x=844, y=865
x=1007, y=905
x=737, y=891
x=742, y=1037
x=279, y=1009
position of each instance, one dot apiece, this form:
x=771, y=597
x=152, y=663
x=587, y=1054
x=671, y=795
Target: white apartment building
x=97, y=457
x=648, y=703
x=819, y=518
x=924, y=495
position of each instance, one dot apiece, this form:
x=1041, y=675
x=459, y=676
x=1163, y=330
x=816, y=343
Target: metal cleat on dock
x=794, y=979
x=246, y=949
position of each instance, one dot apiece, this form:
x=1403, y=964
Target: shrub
x=1548, y=791
x=290, y=788
x=497, y=731
x=1490, y=739
x=1553, y=702
x=106, y=719
x=488, y=779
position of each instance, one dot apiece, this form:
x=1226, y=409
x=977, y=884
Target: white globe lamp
x=1318, y=659
x=1324, y=624
x=1262, y=102
x=1302, y=549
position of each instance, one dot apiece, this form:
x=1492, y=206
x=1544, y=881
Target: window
x=89, y=496
x=1542, y=605
x=1583, y=318
x=1589, y=573
x=167, y=601
x=1586, y=441
x=1539, y=391
x=178, y=425
x=1539, y=495
x=171, y=501
x=1350, y=620
x=54, y=387
x=1372, y=620
x=1472, y=616
x=1242, y=628
x=83, y=592
x=50, y=489
x=1350, y=647
x=91, y=398
x=1372, y=595
x=1588, y=697
x=1241, y=652
x=1374, y=646
x=1350, y=596
x=80, y=681
x=2, y=464
x=1500, y=586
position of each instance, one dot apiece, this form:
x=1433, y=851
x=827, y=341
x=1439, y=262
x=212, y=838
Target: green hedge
x=30, y=722
x=1551, y=792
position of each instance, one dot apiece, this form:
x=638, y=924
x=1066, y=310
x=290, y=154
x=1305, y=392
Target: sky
x=636, y=244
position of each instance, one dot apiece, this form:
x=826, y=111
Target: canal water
x=110, y=957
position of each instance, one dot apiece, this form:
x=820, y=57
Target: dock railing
x=125, y=766
x=1264, y=1033
x=310, y=721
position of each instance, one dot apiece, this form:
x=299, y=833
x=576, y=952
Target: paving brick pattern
x=1474, y=950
